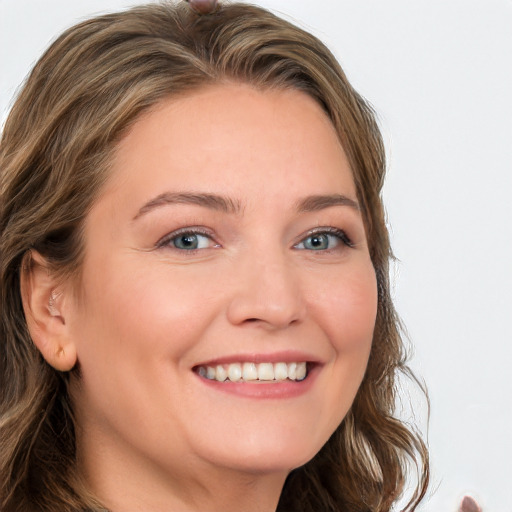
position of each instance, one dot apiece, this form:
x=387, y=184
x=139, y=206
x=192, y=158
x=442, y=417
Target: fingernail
x=469, y=505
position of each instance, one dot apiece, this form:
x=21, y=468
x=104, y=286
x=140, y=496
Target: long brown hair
x=81, y=97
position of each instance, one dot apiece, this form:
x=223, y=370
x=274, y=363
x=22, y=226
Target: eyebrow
x=320, y=202
x=228, y=205
x=211, y=201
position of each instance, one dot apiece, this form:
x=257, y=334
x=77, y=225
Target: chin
x=271, y=454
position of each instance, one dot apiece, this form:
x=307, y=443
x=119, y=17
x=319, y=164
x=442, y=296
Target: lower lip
x=265, y=390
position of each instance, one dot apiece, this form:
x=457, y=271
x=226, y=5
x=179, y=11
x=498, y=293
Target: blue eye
x=323, y=241
x=190, y=241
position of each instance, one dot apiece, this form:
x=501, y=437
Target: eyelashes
x=195, y=239
x=324, y=239
x=188, y=239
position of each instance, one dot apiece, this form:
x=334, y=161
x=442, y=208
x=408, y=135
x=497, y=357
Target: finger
x=203, y=6
x=469, y=505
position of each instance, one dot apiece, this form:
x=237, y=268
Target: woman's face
x=227, y=242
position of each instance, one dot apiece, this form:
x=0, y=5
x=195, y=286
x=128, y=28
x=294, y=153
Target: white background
x=439, y=74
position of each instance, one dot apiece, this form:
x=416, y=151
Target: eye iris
x=186, y=242
x=317, y=242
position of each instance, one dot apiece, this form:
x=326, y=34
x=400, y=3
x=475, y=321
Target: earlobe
x=44, y=304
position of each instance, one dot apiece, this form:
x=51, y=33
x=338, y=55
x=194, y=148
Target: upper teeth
x=236, y=372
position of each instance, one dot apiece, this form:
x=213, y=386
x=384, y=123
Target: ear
x=44, y=303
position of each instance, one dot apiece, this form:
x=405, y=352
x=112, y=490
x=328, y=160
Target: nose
x=268, y=293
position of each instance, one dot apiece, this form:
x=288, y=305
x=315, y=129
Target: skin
x=469, y=505
x=153, y=434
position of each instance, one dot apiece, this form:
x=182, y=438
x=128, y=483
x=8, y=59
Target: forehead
x=233, y=136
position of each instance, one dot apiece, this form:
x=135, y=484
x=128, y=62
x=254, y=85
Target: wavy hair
x=81, y=97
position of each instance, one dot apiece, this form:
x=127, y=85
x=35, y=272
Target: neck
x=134, y=484
x=218, y=491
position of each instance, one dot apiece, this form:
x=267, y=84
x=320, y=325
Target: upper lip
x=288, y=356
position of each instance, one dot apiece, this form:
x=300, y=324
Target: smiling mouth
x=255, y=372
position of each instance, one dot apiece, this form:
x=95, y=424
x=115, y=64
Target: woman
x=194, y=274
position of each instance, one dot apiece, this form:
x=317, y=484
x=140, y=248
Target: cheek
x=159, y=312
x=131, y=332
x=347, y=307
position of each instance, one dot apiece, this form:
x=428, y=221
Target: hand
x=469, y=505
